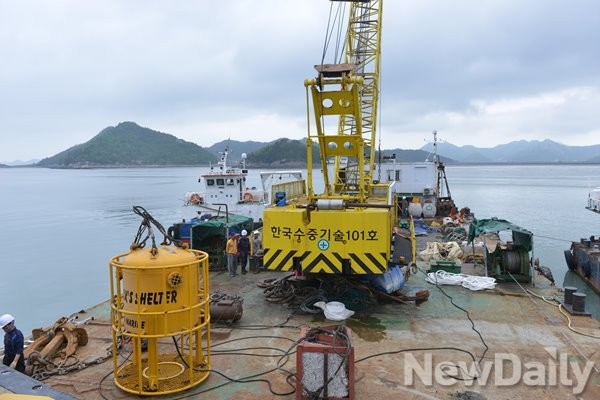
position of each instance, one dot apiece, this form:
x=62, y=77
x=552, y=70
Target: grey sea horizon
x=60, y=228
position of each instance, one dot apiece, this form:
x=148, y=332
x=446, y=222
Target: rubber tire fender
x=172, y=231
x=570, y=260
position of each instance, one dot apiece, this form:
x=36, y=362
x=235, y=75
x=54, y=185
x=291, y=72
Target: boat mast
x=442, y=182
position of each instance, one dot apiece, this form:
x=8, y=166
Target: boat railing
x=292, y=189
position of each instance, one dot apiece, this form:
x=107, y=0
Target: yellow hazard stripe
x=368, y=262
x=361, y=263
x=322, y=264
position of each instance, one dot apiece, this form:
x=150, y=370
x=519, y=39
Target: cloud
x=486, y=72
x=566, y=116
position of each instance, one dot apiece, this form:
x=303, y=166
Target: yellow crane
x=347, y=228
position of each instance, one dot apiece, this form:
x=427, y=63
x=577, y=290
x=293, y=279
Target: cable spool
x=227, y=310
x=515, y=261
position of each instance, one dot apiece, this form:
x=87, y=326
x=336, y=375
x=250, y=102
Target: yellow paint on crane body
x=349, y=241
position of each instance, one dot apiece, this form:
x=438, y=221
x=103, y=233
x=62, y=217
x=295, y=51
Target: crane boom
x=350, y=92
x=363, y=50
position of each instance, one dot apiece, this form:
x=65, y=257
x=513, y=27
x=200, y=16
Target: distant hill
x=521, y=151
x=20, y=163
x=236, y=148
x=412, y=155
x=595, y=159
x=292, y=153
x=282, y=152
x=129, y=144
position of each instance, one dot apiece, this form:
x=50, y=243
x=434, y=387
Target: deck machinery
x=347, y=228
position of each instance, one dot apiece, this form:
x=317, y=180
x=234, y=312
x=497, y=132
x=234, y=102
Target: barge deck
x=522, y=345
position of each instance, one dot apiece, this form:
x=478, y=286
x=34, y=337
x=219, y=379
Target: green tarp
x=204, y=233
x=521, y=236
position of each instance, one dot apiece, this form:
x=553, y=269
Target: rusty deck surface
x=399, y=348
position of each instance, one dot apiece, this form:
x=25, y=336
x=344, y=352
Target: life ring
x=248, y=197
x=195, y=198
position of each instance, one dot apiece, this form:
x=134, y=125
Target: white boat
x=423, y=184
x=225, y=190
x=594, y=200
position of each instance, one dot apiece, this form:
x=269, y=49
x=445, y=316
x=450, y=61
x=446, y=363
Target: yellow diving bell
x=160, y=311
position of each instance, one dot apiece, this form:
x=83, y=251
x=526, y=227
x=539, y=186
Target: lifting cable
x=331, y=24
x=552, y=238
x=146, y=229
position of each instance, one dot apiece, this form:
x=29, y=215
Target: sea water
x=60, y=228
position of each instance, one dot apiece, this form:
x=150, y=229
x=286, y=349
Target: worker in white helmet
x=244, y=250
x=13, y=344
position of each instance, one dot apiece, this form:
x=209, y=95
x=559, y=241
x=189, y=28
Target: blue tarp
x=422, y=229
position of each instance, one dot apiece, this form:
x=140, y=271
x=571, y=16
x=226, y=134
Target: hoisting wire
x=327, y=35
x=552, y=238
x=329, y=32
x=339, y=45
x=146, y=229
x=378, y=123
x=331, y=22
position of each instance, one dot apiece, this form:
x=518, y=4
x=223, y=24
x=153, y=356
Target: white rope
x=442, y=277
x=470, y=282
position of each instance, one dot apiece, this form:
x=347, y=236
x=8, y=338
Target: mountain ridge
x=130, y=145
x=521, y=151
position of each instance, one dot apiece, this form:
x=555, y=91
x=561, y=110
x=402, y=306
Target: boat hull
x=584, y=259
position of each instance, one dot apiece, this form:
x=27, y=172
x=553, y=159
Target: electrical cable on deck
x=472, y=327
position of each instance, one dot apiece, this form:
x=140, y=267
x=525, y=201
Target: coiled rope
x=470, y=282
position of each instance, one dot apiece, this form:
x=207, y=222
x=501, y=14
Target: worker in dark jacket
x=13, y=344
x=244, y=250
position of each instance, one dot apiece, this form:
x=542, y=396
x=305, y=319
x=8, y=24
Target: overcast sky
x=480, y=72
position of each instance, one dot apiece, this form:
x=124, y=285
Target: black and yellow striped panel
x=324, y=263
x=344, y=241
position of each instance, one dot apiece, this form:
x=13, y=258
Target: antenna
x=436, y=157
